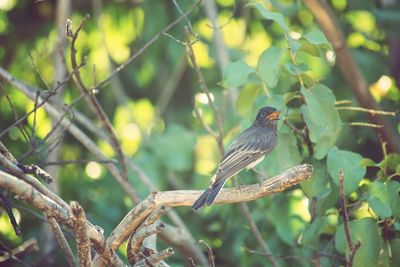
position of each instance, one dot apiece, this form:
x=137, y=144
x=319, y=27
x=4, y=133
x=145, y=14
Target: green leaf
x=379, y=200
x=390, y=162
x=285, y=155
x=384, y=198
x=395, y=246
x=393, y=188
x=274, y=16
x=268, y=65
x=366, y=162
x=175, y=147
x=247, y=97
x=313, y=42
x=236, y=73
x=321, y=118
x=310, y=49
x=316, y=37
x=365, y=230
x=349, y=163
x=296, y=70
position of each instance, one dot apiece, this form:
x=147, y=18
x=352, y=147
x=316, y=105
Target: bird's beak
x=273, y=116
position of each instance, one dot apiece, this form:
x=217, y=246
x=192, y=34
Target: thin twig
x=206, y=127
x=155, y=259
x=205, y=90
x=370, y=111
x=185, y=242
x=295, y=257
x=257, y=234
x=343, y=102
x=148, y=44
x=76, y=162
x=95, y=105
x=14, y=254
x=62, y=241
x=363, y=124
x=352, y=247
x=211, y=257
x=5, y=202
x=14, y=169
x=135, y=241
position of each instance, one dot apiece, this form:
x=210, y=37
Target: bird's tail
x=209, y=195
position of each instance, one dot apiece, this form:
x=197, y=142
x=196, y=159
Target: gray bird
x=247, y=150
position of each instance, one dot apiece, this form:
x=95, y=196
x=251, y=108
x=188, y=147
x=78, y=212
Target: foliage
x=279, y=57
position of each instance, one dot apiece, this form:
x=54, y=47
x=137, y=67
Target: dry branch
x=155, y=259
x=179, y=198
x=62, y=241
x=186, y=241
x=136, y=239
x=137, y=215
x=81, y=234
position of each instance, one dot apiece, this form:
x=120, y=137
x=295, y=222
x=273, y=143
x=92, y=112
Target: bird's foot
x=260, y=176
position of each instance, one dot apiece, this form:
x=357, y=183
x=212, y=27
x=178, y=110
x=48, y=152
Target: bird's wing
x=238, y=158
x=247, y=148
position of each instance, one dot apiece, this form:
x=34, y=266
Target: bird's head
x=267, y=116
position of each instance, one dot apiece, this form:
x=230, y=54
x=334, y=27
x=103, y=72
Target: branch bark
x=350, y=70
x=137, y=215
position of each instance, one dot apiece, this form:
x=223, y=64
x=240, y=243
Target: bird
x=247, y=150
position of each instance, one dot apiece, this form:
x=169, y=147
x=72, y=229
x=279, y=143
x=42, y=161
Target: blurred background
x=250, y=55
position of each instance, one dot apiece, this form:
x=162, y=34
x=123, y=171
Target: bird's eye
x=264, y=113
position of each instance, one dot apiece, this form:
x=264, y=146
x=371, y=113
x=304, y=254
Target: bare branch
x=81, y=234
x=14, y=254
x=62, y=241
x=211, y=257
x=257, y=235
x=5, y=202
x=148, y=44
x=185, y=240
x=155, y=259
x=96, y=107
x=205, y=90
x=370, y=111
x=135, y=241
x=363, y=124
x=14, y=169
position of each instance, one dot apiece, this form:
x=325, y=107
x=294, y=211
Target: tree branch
x=62, y=241
x=185, y=240
x=139, y=213
x=81, y=234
